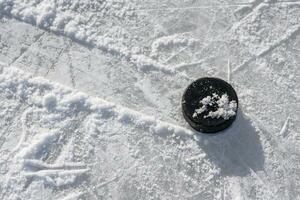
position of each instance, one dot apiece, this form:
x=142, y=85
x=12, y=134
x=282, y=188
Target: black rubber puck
x=209, y=105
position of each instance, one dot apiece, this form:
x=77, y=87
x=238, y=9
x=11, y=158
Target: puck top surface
x=209, y=104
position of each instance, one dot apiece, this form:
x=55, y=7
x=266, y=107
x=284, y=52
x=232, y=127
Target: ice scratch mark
x=288, y=2
x=228, y=71
x=271, y=187
x=248, y=10
x=284, y=39
x=93, y=190
x=202, y=48
x=24, y=130
x=185, y=65
x=113, y=179
x=251, y=5
x=52, y=66
x=192, y=196
x=73, y=196
x=89, y=60
x=141, y=61
x=283, y=131
x=232, y=27
x=13, y=119
x=281, y=150
x=191, y=8
x=174, y=55
x=263, y=182
x=86, y=73
x=108, y=182
x=71, y=70
x=25, y=49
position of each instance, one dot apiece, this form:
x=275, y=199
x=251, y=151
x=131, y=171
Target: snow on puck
x=209, y=105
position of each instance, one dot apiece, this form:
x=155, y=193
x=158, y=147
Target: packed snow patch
x=226, y=108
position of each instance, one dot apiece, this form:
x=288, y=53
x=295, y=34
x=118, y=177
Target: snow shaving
x=225, y=108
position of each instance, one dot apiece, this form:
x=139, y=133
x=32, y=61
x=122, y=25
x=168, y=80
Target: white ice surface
x=116, y=131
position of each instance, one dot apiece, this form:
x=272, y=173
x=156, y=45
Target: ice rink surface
x=90, y=99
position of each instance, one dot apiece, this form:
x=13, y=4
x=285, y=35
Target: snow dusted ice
x=90, y=99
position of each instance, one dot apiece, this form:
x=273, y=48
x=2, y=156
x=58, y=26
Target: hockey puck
x=209, y=105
